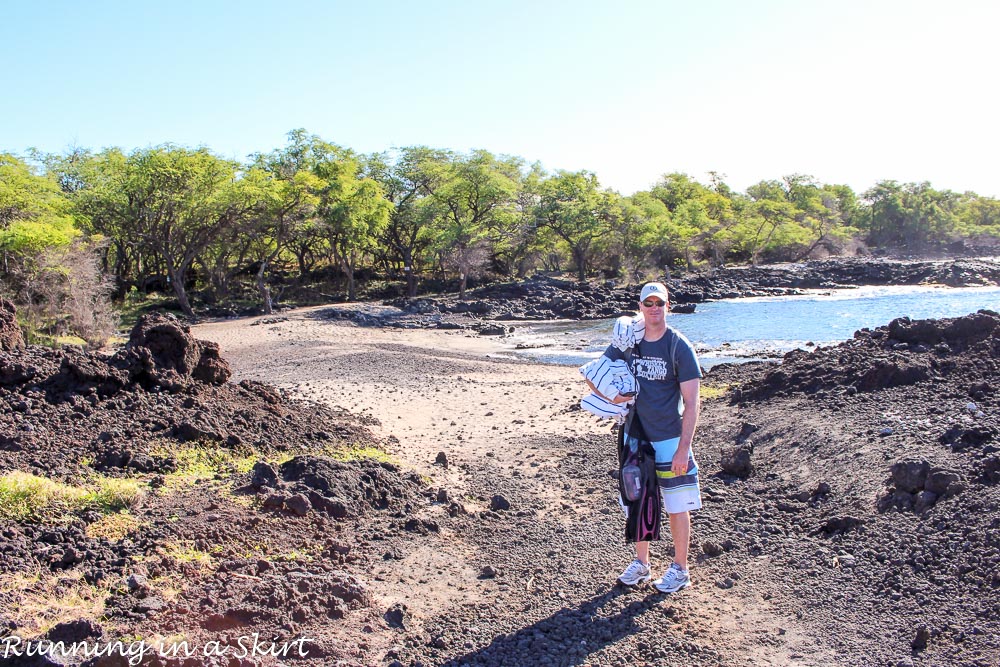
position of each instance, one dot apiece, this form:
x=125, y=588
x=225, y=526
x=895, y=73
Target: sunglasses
x=653, y=303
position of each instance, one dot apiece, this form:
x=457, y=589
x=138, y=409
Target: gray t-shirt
x=658, y=401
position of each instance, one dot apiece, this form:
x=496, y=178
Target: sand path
x=431, y=390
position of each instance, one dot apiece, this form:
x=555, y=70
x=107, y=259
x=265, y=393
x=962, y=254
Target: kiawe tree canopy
x=199, y=220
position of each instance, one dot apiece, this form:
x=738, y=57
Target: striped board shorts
x=680, y=493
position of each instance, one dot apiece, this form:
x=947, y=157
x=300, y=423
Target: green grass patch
x=27, y=497
x=114, y=494
x=60, y=341
x=201, y=461
x=136, y=304
x=356, y=452
x=293, y=556
x=57, y=342
x=186, y=552
x=712, y=392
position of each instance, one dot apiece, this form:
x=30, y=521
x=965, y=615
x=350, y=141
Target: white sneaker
x=673, y=580
x=635, y=573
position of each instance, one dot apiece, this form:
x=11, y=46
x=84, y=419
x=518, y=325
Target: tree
x=979, y=217
x=770, y=211
x=648, y=235
x=408, y=178
x=677, y=188
x=700, y=218
x=99, y=195
x=473, y=194
x=813, y=218
x=572, y=205
x=34, y=214
x=323, y=192
x=286, y=204
x=356, y=218
x=172, y=201
x=914, y=215
x=518, y=245
x=308, y=243
x=309, y=180
x=823, y=212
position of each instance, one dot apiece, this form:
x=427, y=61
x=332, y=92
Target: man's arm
x=610, y=354
x=690, y=392
x=617, y=399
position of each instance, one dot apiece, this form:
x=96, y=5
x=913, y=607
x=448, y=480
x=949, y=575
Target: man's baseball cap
x=654, y=289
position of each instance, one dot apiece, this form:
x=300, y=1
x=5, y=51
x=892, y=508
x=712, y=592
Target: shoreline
x=556, y=341
x=545, y=298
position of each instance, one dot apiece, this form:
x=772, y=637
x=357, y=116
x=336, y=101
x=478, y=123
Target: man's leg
x=638, y=570
x=676, y=577
x=642, y=551
x=680, y=531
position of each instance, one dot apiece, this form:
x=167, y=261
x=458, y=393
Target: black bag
x=644, y=513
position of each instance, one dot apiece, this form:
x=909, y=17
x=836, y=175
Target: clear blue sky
x=847, y=91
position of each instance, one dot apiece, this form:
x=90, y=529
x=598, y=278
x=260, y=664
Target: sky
x=849, y=92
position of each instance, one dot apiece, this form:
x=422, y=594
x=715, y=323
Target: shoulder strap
x=674, y=340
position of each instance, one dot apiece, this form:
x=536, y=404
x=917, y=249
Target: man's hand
x=679, y=464
x=622, y=398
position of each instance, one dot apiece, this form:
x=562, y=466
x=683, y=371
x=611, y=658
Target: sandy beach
x=428, y=392
x=794, y=561
x=505, y=426
x=431, y=390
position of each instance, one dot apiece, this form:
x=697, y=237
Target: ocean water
x=765, y=327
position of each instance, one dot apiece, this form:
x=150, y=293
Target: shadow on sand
x=569, y=636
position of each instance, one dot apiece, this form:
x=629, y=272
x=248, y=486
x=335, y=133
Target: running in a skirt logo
x=247, y=646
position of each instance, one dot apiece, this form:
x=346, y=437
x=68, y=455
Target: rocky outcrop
x=727, y=283
x=906, y=352
x=537, y=298
x=161, y=351
x=547, y=298
x=10, y=333
x=917, y=486
x=59, y=405
x=349, y=489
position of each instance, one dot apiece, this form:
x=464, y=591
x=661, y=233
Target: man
x=667, y=407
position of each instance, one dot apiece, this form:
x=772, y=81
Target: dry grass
x=115, y=527
x=169, y=587
x=36, y=602
x=185, y=553
x=27, y=497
